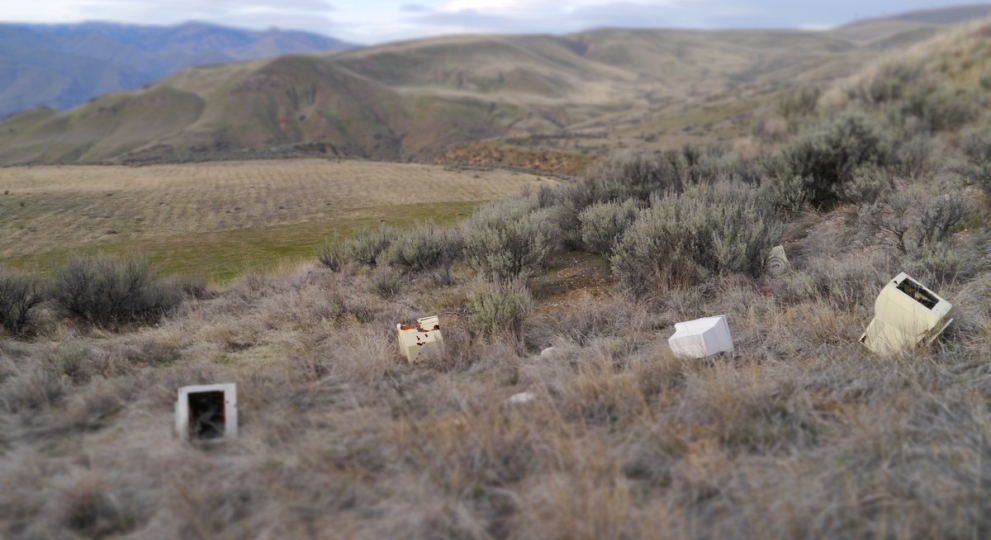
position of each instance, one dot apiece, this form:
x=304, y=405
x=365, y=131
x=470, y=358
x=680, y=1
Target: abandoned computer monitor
x=207, y=412
x=776, y=262
x=422, y=338
x=701, y=338
x=906, y=314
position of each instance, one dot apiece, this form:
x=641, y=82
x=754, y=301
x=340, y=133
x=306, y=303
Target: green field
x=219, y=220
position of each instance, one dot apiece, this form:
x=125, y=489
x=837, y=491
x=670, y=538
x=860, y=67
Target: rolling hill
x=61, y=66
x=886, y=31
x=415, y=100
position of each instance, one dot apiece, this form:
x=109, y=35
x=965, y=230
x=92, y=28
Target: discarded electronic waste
x=206, y=412
x=776, y=262
x=421, y=338
x=701, y=338
x=906, y=314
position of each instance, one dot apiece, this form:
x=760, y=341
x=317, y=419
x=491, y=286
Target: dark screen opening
x=206, y=415
x=917, y=293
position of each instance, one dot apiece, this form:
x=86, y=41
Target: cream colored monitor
x=906, y=314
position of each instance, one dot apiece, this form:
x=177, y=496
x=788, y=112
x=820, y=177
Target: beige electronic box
x=906, y=314
x=424, y=337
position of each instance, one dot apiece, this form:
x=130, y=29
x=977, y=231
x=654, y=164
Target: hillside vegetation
x=413, y=100
x=800, y=433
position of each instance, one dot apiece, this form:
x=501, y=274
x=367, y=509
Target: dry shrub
x=426, y=247
x=20, y=295
x=623, y=176
x=498, y=310
x=912, y=218
x=508, y=240
x=799, y=102
x=363, y=247
x=110, y=291
x=867, y=184
x=603, y=224
x=826, y=159
x=386, y=281
x=704, y=232
x=977, y=148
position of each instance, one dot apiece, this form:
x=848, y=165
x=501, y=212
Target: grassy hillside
x=412, y=100
x=801, y=432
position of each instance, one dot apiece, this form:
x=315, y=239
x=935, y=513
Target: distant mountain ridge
x=937, y=16
x=416, y=100
x=61, y=66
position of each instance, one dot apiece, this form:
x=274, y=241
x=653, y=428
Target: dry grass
x=800, y=434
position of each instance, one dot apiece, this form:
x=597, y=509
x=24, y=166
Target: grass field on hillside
x=220, y=219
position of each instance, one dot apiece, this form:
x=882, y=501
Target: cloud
x=627, y=14
x=310, y=15
x=467, y=19
x=376, y=21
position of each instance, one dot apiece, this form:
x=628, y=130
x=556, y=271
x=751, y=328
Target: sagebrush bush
x=890, y=84
x=386, y=281
x=910, y=219
x=706, y=231
x=977, y=148
x=363, y=247
x=498, y=310
x=108, y=291
x=331, y=255
x=915, y=154
x=426, y=247
x=867, y=184
x=788, y=192
x=508, y=240
x=799, y=102
x=939, y=108
x=901, y=90
x=630, y=175
x=602, y=224
x=20, y=294
x=826, y=159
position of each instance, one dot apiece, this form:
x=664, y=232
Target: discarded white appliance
x=906, y=314
x=776, y=262
x=701, y=338
x=206, y=412
x=424, y=337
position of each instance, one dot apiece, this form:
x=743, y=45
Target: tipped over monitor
x=701, y=338
x=906, y=315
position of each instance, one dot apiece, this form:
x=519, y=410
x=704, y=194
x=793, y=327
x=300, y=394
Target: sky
x=369, y=22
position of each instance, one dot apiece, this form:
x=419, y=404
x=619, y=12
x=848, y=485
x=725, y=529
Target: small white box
x=701, y=338
x=420, y=338
x=206, y=411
